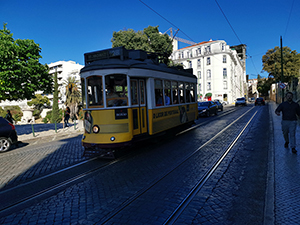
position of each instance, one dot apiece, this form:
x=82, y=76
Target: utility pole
x=281, y=67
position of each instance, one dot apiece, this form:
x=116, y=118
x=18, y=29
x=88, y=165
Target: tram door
x=139, y=109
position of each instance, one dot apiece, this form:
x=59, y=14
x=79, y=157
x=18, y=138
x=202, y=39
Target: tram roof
x=123, y=58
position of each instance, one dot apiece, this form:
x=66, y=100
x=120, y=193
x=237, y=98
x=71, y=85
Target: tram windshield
x=116, y=90
x=94, y=91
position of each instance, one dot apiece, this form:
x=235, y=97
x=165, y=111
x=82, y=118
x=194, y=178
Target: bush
x=15, y=111
x=48, y=117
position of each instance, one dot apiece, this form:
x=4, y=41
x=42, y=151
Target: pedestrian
x=67, y=116
x=290, y=110
x=9, y=117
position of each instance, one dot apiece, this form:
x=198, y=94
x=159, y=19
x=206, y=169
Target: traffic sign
x=282, y=85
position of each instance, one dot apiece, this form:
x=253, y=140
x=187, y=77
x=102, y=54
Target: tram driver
x=111, y=96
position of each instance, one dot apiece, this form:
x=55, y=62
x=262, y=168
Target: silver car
x=240, y=101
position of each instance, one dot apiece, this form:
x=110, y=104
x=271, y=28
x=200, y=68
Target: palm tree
x=73, y=95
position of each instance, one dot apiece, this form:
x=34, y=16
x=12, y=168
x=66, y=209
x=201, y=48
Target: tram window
x=116, y=90
x=175, y=92
x=94, y=91
x=167, y=92
x=158, y=92
x=83, y=92
x=142, y=86
x=181, y=92
x=134, y=92
x=193, y=92
x=187, y=92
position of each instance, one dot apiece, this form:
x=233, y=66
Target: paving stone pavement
x=35, y=133
x=284, y=178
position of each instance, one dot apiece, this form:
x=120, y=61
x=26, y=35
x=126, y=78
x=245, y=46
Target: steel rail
x=185, y=202
x=84, y=174
x=161, y=177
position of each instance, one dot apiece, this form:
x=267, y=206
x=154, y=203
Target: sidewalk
x=44, y=132
x=283, y=194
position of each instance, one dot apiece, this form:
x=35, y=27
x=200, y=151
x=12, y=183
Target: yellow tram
x=128, y=95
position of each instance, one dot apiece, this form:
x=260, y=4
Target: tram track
x=176, y=213
x=45, y=191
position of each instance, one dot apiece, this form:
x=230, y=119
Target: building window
x=207, y=49
x=199, y=87
x=208, y=74
x=223, y=47
x=225, y=84
x=199, y=74
x=199, y=63
x=224, y=59
x=199, y=51
x=224, y=73
x=208, y=86
x=208, y=61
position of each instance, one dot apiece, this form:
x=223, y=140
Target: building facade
x=64, y=69
x=220, y=69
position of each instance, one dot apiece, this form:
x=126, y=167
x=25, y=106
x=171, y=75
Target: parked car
x=259, y=101
x=8, y=135
x=207, y=108
x=219, y=104
x=252, y=99
x=240, y=101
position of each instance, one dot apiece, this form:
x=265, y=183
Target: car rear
x=7, y=134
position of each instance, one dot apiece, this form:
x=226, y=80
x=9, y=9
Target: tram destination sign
x=105, y=54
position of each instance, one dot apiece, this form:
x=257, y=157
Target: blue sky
x=66, y=29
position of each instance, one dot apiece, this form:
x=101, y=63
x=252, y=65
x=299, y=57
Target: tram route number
x=166, y=113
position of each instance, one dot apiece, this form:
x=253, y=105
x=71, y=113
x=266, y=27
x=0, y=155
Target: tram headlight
x=112, y=138
x=96, y=129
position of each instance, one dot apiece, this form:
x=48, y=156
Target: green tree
x=272, y=63
x=73, y=96
x=39, y=101
x=264, y=85
x=149, y=40
x=21, y=74
x=55, y=109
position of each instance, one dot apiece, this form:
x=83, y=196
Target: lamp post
x=281, y=67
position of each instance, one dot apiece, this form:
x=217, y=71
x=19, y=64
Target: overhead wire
x=166, y=20
x=235, y=34
x=289, y=18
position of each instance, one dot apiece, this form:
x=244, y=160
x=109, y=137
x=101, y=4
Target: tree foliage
x=149, y=40
x=272, y=63
x=39, y=101
x=21, y=74
x=73, y=96
x=264, y=85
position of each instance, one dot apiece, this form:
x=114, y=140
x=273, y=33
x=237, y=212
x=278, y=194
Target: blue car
x=207, y=108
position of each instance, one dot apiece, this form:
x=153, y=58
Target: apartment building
x=64, y=70
x=220, y=69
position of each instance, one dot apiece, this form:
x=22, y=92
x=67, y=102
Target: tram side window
x=116, y=90
x=134, y=92
x=94, y=91
x=175, y=92
x=187, y=92
x=158, y=92
x=83, y=92
x=181, y=92
x=167, y=92
x=193, y=93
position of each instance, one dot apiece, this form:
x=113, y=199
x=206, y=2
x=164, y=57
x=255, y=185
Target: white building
x=220, y=69
x=64, y=70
